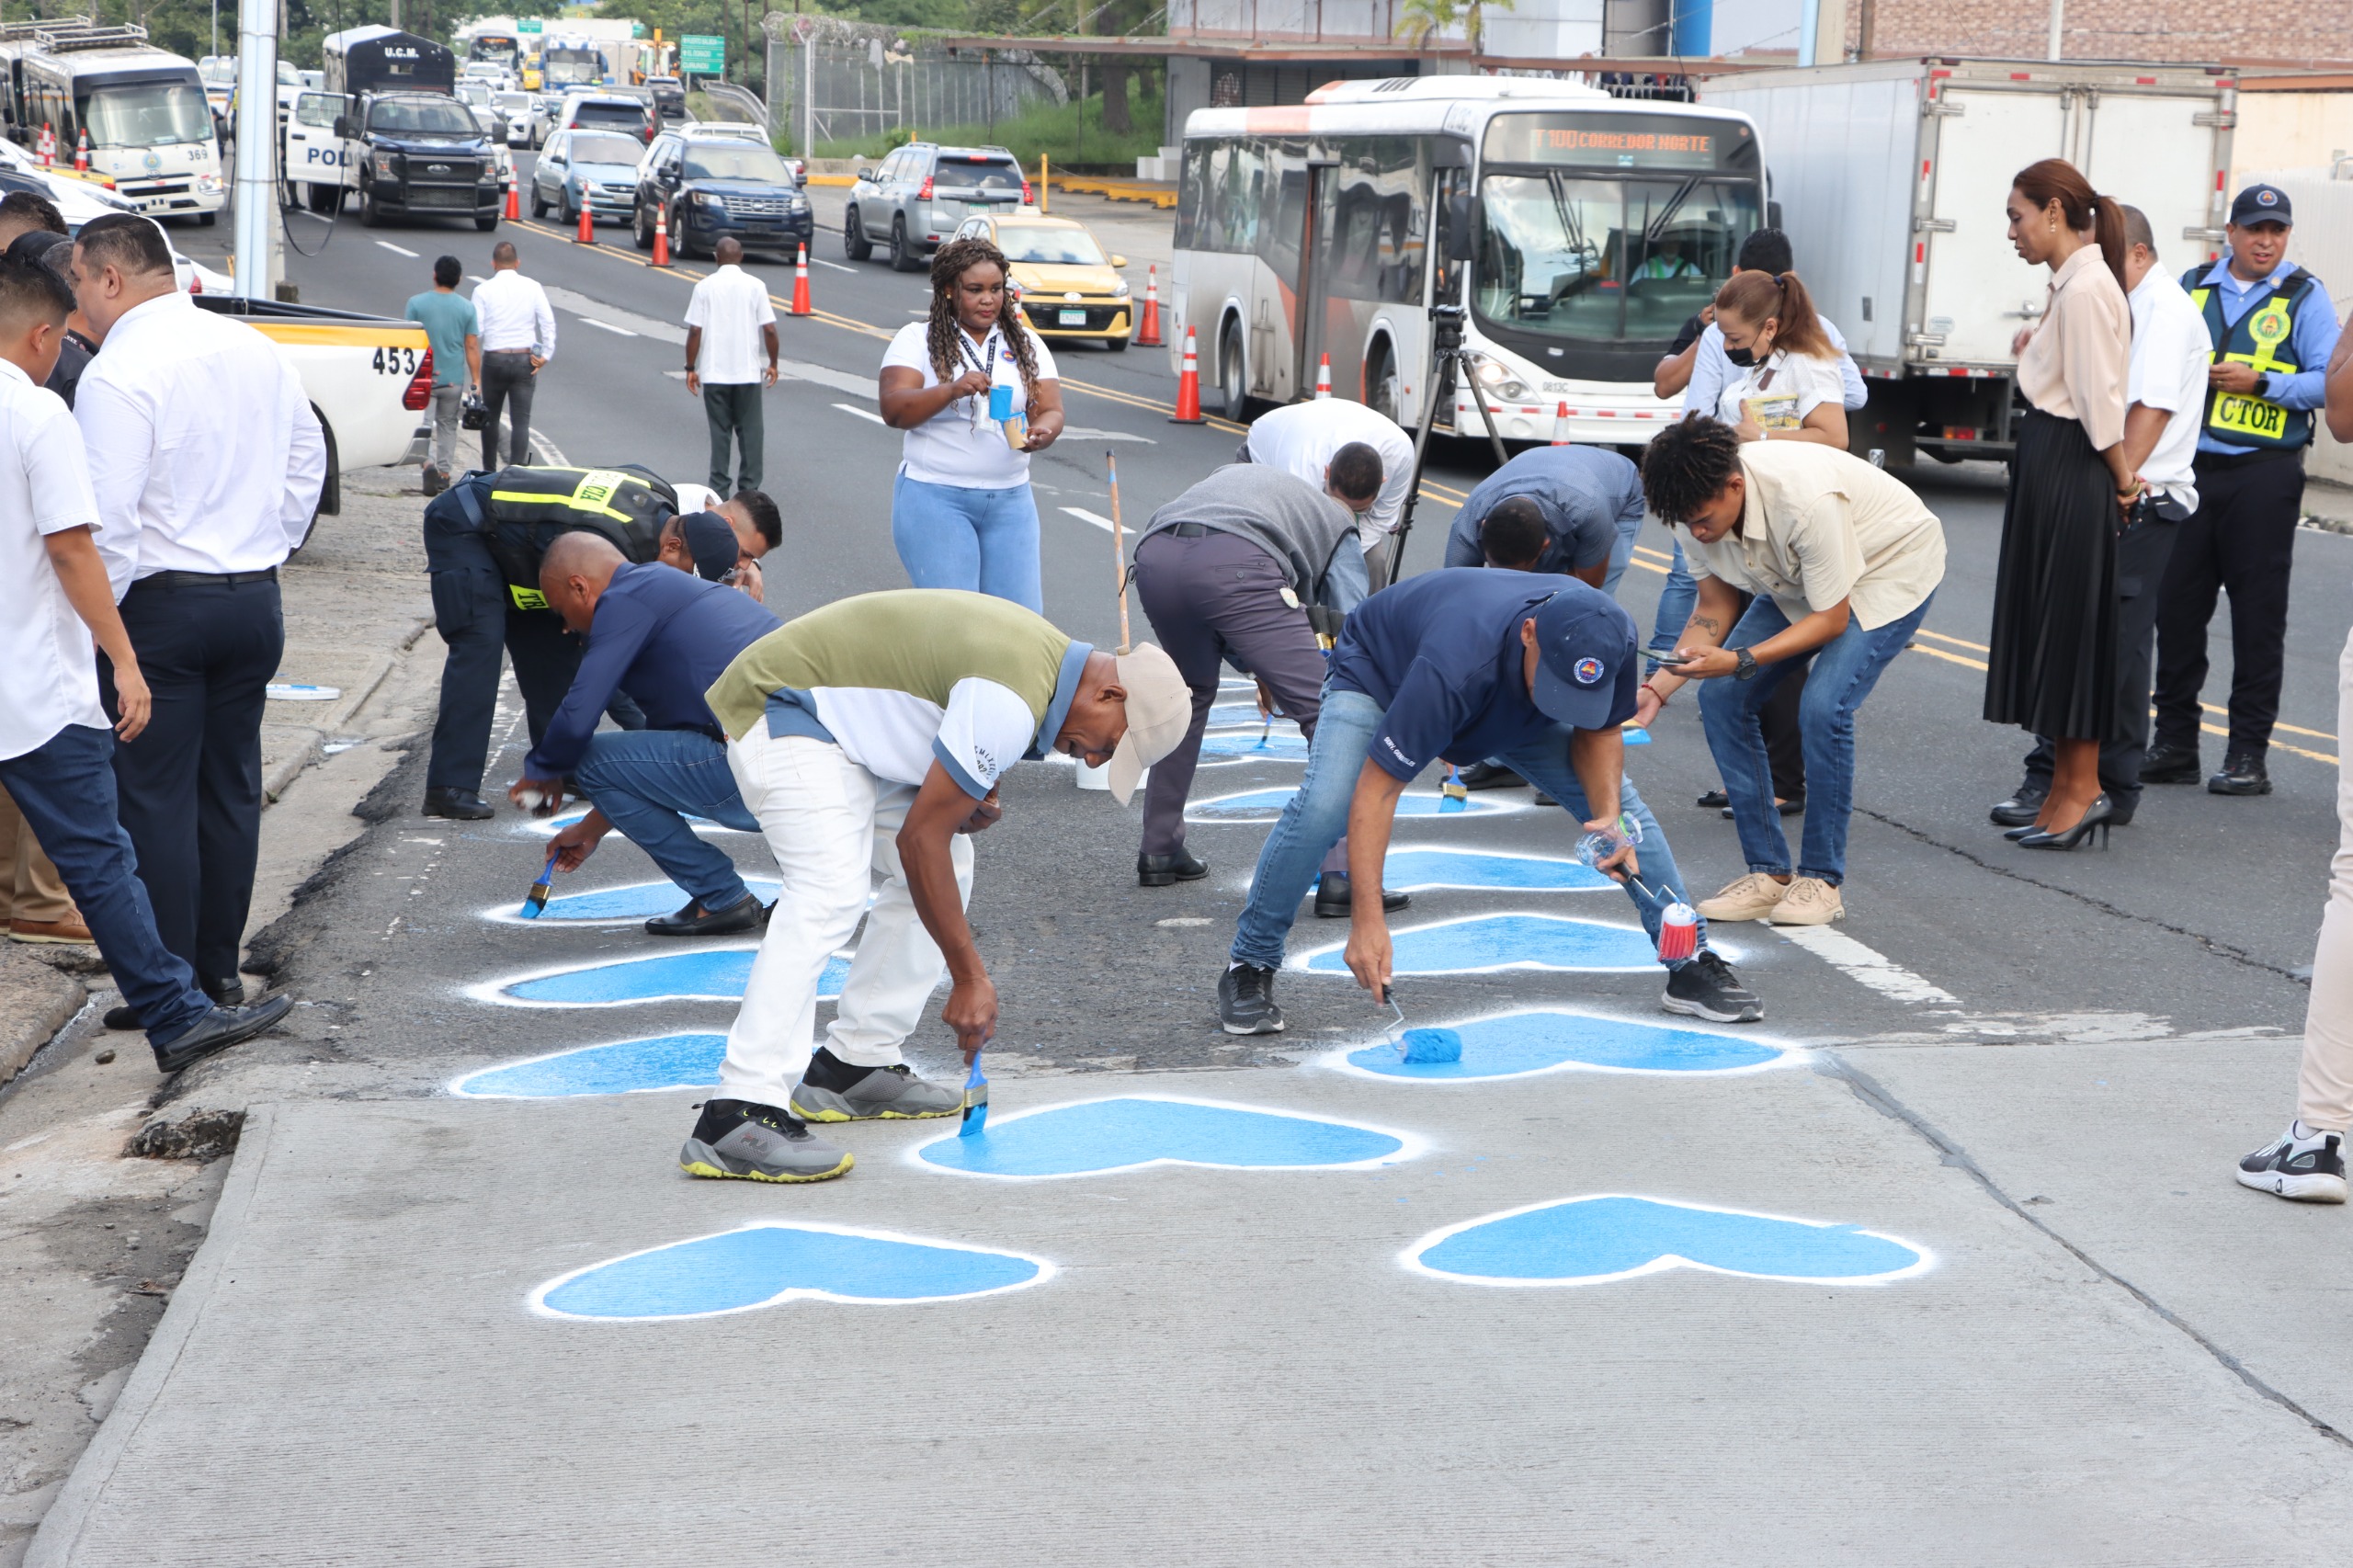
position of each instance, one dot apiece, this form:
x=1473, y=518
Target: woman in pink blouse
x=2052, y=667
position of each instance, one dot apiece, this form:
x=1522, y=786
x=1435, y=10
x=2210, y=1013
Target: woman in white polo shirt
x=961, y=512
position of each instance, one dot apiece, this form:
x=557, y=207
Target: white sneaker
x=1808, y=901
x=1753, y=897
x=2309, y=1170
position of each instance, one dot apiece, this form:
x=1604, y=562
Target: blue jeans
x=1621, y=554
x=1315, y=818
x=65, y=789
x=1675, y=603
x=984, y=542
x=649, y=782
x=1844, y=671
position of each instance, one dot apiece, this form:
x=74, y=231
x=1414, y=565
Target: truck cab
x=390, y=126
x=141, y=111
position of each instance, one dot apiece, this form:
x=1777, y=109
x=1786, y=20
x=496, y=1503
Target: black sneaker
x=1166, y=871
x=2243, y=774
x=1335, y=899
x=746, y=914
x=2170, y=764
x=1707, y=988
x=2022, y=807
x=2310, y=1171
x=1246, y=1001
x=735, y=1140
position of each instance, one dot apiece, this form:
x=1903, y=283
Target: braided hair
x=948, y=264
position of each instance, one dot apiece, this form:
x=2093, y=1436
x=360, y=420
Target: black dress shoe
x=2170, y=764
x=2243, y=774
x=1792, y=807
x=125, y=1016
x=2023, y=807
x=1333, y=897
x=1489, y=775
x=459, y=805
x=1712, y=800
x=228, y=993
x=746, y=914
x=1161, y=870
x=218, y=1030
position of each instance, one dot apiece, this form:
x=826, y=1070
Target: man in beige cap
x=867, y=739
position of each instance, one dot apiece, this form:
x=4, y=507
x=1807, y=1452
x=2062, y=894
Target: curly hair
x=1689, y=464
x=950, y=262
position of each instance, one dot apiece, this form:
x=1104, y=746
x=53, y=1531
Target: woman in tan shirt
x=2052, y=667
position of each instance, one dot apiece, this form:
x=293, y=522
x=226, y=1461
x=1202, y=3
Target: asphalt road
x=2194, y=922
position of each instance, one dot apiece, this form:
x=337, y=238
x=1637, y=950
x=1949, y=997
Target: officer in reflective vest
x=2273, y=329
x=484, y=540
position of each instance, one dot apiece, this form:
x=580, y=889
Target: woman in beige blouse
x=2052, y=667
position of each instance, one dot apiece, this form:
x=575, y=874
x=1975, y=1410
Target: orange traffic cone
x=82, y=155
x=1149, y=336
x=513, y=199
x=47, y=146
x=587, y=234
x=1561, y=426
x=660, y=245
x=1324, y=377
x=800, y=285
x=1188, y=386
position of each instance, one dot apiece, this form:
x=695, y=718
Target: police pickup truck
x=388, y=126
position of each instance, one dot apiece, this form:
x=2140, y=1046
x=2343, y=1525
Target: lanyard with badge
x=978, y=412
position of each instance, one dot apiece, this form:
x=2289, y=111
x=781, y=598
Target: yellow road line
x=2209, y=707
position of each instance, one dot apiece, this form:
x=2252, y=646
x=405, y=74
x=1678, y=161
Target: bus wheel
x=1233, y=376
x=207, y=220
x=1381, y=392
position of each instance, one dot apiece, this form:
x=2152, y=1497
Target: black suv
x=421, y=155
x=706, y=186
x=922, y=193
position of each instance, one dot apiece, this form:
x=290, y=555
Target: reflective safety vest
x=520, y=510
x=2264, y=339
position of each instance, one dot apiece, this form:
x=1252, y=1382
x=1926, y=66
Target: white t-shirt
x=1299, y=438
x=731, y=306
x=2170, y=358
x=1782, y=383
x=960, y=445
x=49, y=671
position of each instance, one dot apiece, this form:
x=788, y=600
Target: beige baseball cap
x=1160, y=710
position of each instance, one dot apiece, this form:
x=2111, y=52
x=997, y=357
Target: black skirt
x=2052, y=667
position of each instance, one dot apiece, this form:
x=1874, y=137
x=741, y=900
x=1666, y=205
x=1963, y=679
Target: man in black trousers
x=206, y=462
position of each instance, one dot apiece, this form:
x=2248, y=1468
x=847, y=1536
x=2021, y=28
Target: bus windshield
x=1576, y=255
x=499, y=48
x=562, y=67
x=147, y=114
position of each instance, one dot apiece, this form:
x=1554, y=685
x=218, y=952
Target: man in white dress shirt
x=517, y=340
x=729, y=321
x=54, y=738
x=206, y=462
x=1302, y=439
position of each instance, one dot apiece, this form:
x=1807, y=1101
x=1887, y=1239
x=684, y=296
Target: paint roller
x=1417, y=1046
x=537, y=899
x=1679, y=927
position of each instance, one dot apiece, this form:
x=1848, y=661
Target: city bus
x=571, y=62
x=1576, y=231
x=502, y=50
x=144, y=109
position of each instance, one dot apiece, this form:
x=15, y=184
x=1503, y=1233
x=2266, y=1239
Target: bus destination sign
x=1618, y=142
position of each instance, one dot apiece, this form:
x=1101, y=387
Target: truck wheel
x=904, y=257
x=207, y=220
x=855, y=244
x=370, y=215
x=485, y=225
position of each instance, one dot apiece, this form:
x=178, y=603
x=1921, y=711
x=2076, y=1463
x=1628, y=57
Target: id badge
x=1291, y=600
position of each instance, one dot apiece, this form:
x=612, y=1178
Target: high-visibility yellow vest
x=519, y=510
x=2263, y=339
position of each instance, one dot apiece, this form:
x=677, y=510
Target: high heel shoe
x=2096, y=815
x=2014, y=834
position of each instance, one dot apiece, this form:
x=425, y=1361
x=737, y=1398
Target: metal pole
x=809, y=96
x=256, y=141
x=2058, y=21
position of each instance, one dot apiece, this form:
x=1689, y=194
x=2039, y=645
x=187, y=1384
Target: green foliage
x=1423, y=17
x=1070, y=133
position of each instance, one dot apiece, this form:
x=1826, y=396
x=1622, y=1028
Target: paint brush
x=537, y=899
x=1457, y=795
x=976, y=1101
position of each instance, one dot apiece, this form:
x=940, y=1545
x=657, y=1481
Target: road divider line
x=398, y=250
x=862, y=412
x=1866, y=966
x=1084, y=515
x=837, y=266
x=616, y=331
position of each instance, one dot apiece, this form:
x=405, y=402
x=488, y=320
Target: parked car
x=526, y=118
x=1069, y=287
x=920, y=193
x=607, y=111
x=593, y=168
x=704, y=189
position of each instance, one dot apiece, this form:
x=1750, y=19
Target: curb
x=41, y=1001
x=279, y=778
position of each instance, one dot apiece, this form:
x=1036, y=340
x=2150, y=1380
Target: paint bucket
x=1100, y=778
x=1679, y=933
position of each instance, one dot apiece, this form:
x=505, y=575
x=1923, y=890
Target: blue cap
x=1586, y=664
x=711, y=540
x=2262, y=204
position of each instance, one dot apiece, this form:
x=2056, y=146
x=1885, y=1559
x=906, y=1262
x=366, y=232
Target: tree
x=1424, y=18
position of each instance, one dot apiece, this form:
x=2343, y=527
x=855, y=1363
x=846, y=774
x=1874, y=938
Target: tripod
x=1449, y=359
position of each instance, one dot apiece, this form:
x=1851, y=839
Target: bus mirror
x=1772, y=214
x=1460, y=217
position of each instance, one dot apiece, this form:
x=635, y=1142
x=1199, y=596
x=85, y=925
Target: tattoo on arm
x=1707, y=623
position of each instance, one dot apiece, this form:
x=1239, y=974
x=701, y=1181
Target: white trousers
x=832, y=827
x=2324, y=1082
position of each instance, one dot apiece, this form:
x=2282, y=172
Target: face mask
x=1743, y=358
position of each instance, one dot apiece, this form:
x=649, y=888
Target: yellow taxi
x=1069, y=288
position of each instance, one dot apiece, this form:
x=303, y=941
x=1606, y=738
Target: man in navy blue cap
x=2273, y=329
x=1454, y=665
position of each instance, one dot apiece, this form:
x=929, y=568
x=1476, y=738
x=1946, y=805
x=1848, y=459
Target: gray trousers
x=507, y=383
x=1218, y=597
x=445, y=402
x=734, y=415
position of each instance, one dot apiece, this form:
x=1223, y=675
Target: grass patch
x=1070, y=134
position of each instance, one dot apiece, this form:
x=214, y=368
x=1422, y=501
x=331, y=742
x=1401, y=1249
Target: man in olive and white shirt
x=730, y=320
x=1843, y=560
x=517, y=340
x=207, y=463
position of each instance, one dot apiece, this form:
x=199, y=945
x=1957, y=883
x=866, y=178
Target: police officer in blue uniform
x=2273, y=329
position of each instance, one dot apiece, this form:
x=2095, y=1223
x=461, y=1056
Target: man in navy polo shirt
x=1455, y=665
x=662, y=636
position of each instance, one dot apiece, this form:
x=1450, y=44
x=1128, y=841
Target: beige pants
x=30, y=888
x=2325, y=1083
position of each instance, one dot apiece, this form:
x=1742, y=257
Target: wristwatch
x=1747, y=669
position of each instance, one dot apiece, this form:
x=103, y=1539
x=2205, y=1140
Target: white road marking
x=398, y=250
x=475, y=276
x=837, y=266
x=1084, y=515
x=1867, y=966
x=861, y=413
x=616, y=331
x=1094, y=435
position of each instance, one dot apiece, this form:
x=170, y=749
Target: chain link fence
x=865, y=81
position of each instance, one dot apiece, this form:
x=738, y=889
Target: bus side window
x=1241, y=184
x=1193, y=198
x=1282, y=207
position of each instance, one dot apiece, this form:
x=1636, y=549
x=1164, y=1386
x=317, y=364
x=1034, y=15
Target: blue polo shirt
x=1441, y=652
x=2311, y=342
x=662, y=636
x=1588, y=495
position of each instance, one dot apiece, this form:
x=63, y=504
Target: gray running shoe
x=885, y=1094
x=739, y=1140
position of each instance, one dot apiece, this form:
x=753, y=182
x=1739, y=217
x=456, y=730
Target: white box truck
x=1890, y=177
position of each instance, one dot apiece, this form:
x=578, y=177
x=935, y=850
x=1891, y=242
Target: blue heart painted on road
x=1266, y=805
x=620, y=1067
x=548, y=827
x=1482, y=943
x=1588, y=1240
x=1409, y=870
x=633, y=901
x=1245, y=745
x=762, y=1265
x=1094, y=1136
x=706, y=974
x=1516, y=1044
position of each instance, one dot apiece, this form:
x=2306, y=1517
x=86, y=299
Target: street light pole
x=256, y=145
